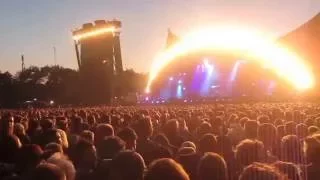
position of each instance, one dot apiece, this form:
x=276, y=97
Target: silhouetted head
x=313, y=130
x=109, y=147
x=162, y=140
x=267, y=133
x=84, y=155
x=224, y=146
x=62, y=123
x=171, y=128
x=312, y=149
x=263, y=119
x=185, y=151
x=278, y=122
x=144, y=128
x=47, y=171
x=189, y=144
x=46, y=124
x=290, y=128
x=243, y=121
x=64, y=164
x=83, y=114
x=261, y=171
x=277, y=113
x=91, y=120
x=103, y=131
x=25, y=122
x=249, y=151
x=310, y=122
x=129, y=136
x=33, y=125
x=204, y=128
x=127, y=165
x=207, y=143
x=7, y=124
x=281, y=131
x=212, y=166
x=302, y=130
x=290, y=169
x=76, y=125
x=251, y=129
x=166, y=169
x=51, y=135
x=87, y=135
x=291, y=149
x=53, y=148
x=19, y=129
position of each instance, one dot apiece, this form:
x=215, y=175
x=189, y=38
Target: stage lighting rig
x=98, y=53
x=101, y=27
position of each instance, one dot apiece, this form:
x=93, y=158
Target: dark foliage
x=56, y=83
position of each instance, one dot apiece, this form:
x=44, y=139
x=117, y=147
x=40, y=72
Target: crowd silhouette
x=261, y=141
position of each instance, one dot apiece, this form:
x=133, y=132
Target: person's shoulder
x=13, y=139
x=147, y=142
x=84, y=175
x=148, y=145
x=104, y=164
x=153, y=145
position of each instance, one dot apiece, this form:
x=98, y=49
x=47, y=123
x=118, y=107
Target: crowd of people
x=261, y=141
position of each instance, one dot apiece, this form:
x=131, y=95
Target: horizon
x=34, y=28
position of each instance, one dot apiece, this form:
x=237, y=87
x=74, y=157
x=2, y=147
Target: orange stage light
x=249, y=43
x=94, y=33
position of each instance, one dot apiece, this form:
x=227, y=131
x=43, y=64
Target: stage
x=215, y=78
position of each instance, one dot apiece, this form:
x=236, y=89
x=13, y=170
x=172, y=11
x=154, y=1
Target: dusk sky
x=34, y=27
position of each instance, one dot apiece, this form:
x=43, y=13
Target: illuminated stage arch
x=250, y=44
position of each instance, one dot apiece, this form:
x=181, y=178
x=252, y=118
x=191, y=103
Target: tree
x=62, y=85
x=129, y=82
x=6, y=86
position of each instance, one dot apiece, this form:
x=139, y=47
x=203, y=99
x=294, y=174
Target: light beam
x=94, y=33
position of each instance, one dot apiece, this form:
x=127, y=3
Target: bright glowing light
x=250, y=44
x=206, y=62
x=233, y=76
x=234, y=71
x=209, y=78
x=94, y=33
x=271, y=87
x=179, y=92
x=210, y=69
x=171, y=78
x=208, y=66
x=180, y=81
x=51, y=102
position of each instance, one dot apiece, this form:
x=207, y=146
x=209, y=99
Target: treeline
x=56, y=83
